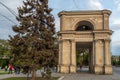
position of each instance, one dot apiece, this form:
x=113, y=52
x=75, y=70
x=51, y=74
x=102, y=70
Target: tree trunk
x=33, y=74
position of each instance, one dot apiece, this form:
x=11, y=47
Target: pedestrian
x=10, y=68
x=17, y=69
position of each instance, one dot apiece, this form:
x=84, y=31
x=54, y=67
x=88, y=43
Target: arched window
x=84, y=26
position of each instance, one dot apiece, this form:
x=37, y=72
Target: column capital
x=71, y=40
x=97, y=40
x=61, y=40
x=107, y=40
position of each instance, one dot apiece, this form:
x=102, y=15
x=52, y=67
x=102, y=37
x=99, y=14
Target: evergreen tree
x=33, y=44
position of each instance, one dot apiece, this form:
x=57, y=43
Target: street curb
x=61, y=77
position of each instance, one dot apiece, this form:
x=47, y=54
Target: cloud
x=115, y=48
x=95, y=4
x=11, y=4
x=115, y=24
x=116, y=43
x=57, y=25
x=118, y=7
x=117, y=2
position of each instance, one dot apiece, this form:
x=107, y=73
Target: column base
x=63, y=69
x=108, y=69
x=72, y=69
x=67, y=69
x=98, y=69
x=58, y=68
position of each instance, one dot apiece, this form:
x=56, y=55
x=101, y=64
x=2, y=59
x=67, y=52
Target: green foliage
x=86, y=59
x=3, y=62
x=4, y=52
x=114, y=62
x=3, y=72
x=80, y=56
x=4, y=48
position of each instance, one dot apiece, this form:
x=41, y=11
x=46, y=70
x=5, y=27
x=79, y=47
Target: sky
x=7, y=19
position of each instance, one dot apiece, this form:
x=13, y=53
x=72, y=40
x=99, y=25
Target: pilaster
x=98, y=55
x=64, y=56
x=60, y=55
x=107, y=65
x=73, y=56
x=106, y=15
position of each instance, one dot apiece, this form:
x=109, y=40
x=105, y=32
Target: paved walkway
x=78, y=76
x=87, y=76
x=91, y=77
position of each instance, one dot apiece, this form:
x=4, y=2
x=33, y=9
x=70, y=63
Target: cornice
x=85, y=32
x=87, y=12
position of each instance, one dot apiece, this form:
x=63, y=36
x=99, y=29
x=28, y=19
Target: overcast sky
x=67, y=5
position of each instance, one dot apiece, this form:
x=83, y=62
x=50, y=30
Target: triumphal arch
x=88, y=29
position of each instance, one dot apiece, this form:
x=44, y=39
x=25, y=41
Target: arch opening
x=83, y=57
x=84, y=26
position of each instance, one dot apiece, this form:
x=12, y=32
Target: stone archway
x=83, y=57
x=85, y=27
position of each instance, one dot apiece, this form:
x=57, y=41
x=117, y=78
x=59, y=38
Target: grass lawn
x=3, y=72
x=23, y=78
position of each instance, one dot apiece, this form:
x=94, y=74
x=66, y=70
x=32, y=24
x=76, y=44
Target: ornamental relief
x=70, y=22
x=100, y=43
x=66, y=43
x=81, y=19
x=84, y=36
x=66, y=24
x=100, y=36
x=67, y=36
x=94, y=19
x=83, y=39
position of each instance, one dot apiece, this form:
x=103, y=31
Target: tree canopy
x=4, y=48
x=33, y=44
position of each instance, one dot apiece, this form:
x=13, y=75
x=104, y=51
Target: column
x=73, y=57
x=90, y=58
x=64, y=56
x=105, y=20
x=60, y=56
x=93, y=56
x=107, y=66
x=98, y=57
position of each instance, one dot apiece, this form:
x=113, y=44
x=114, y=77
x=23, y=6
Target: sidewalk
x=115, y=76
x=25, y=75
x=11, y=75
x=77, y=76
